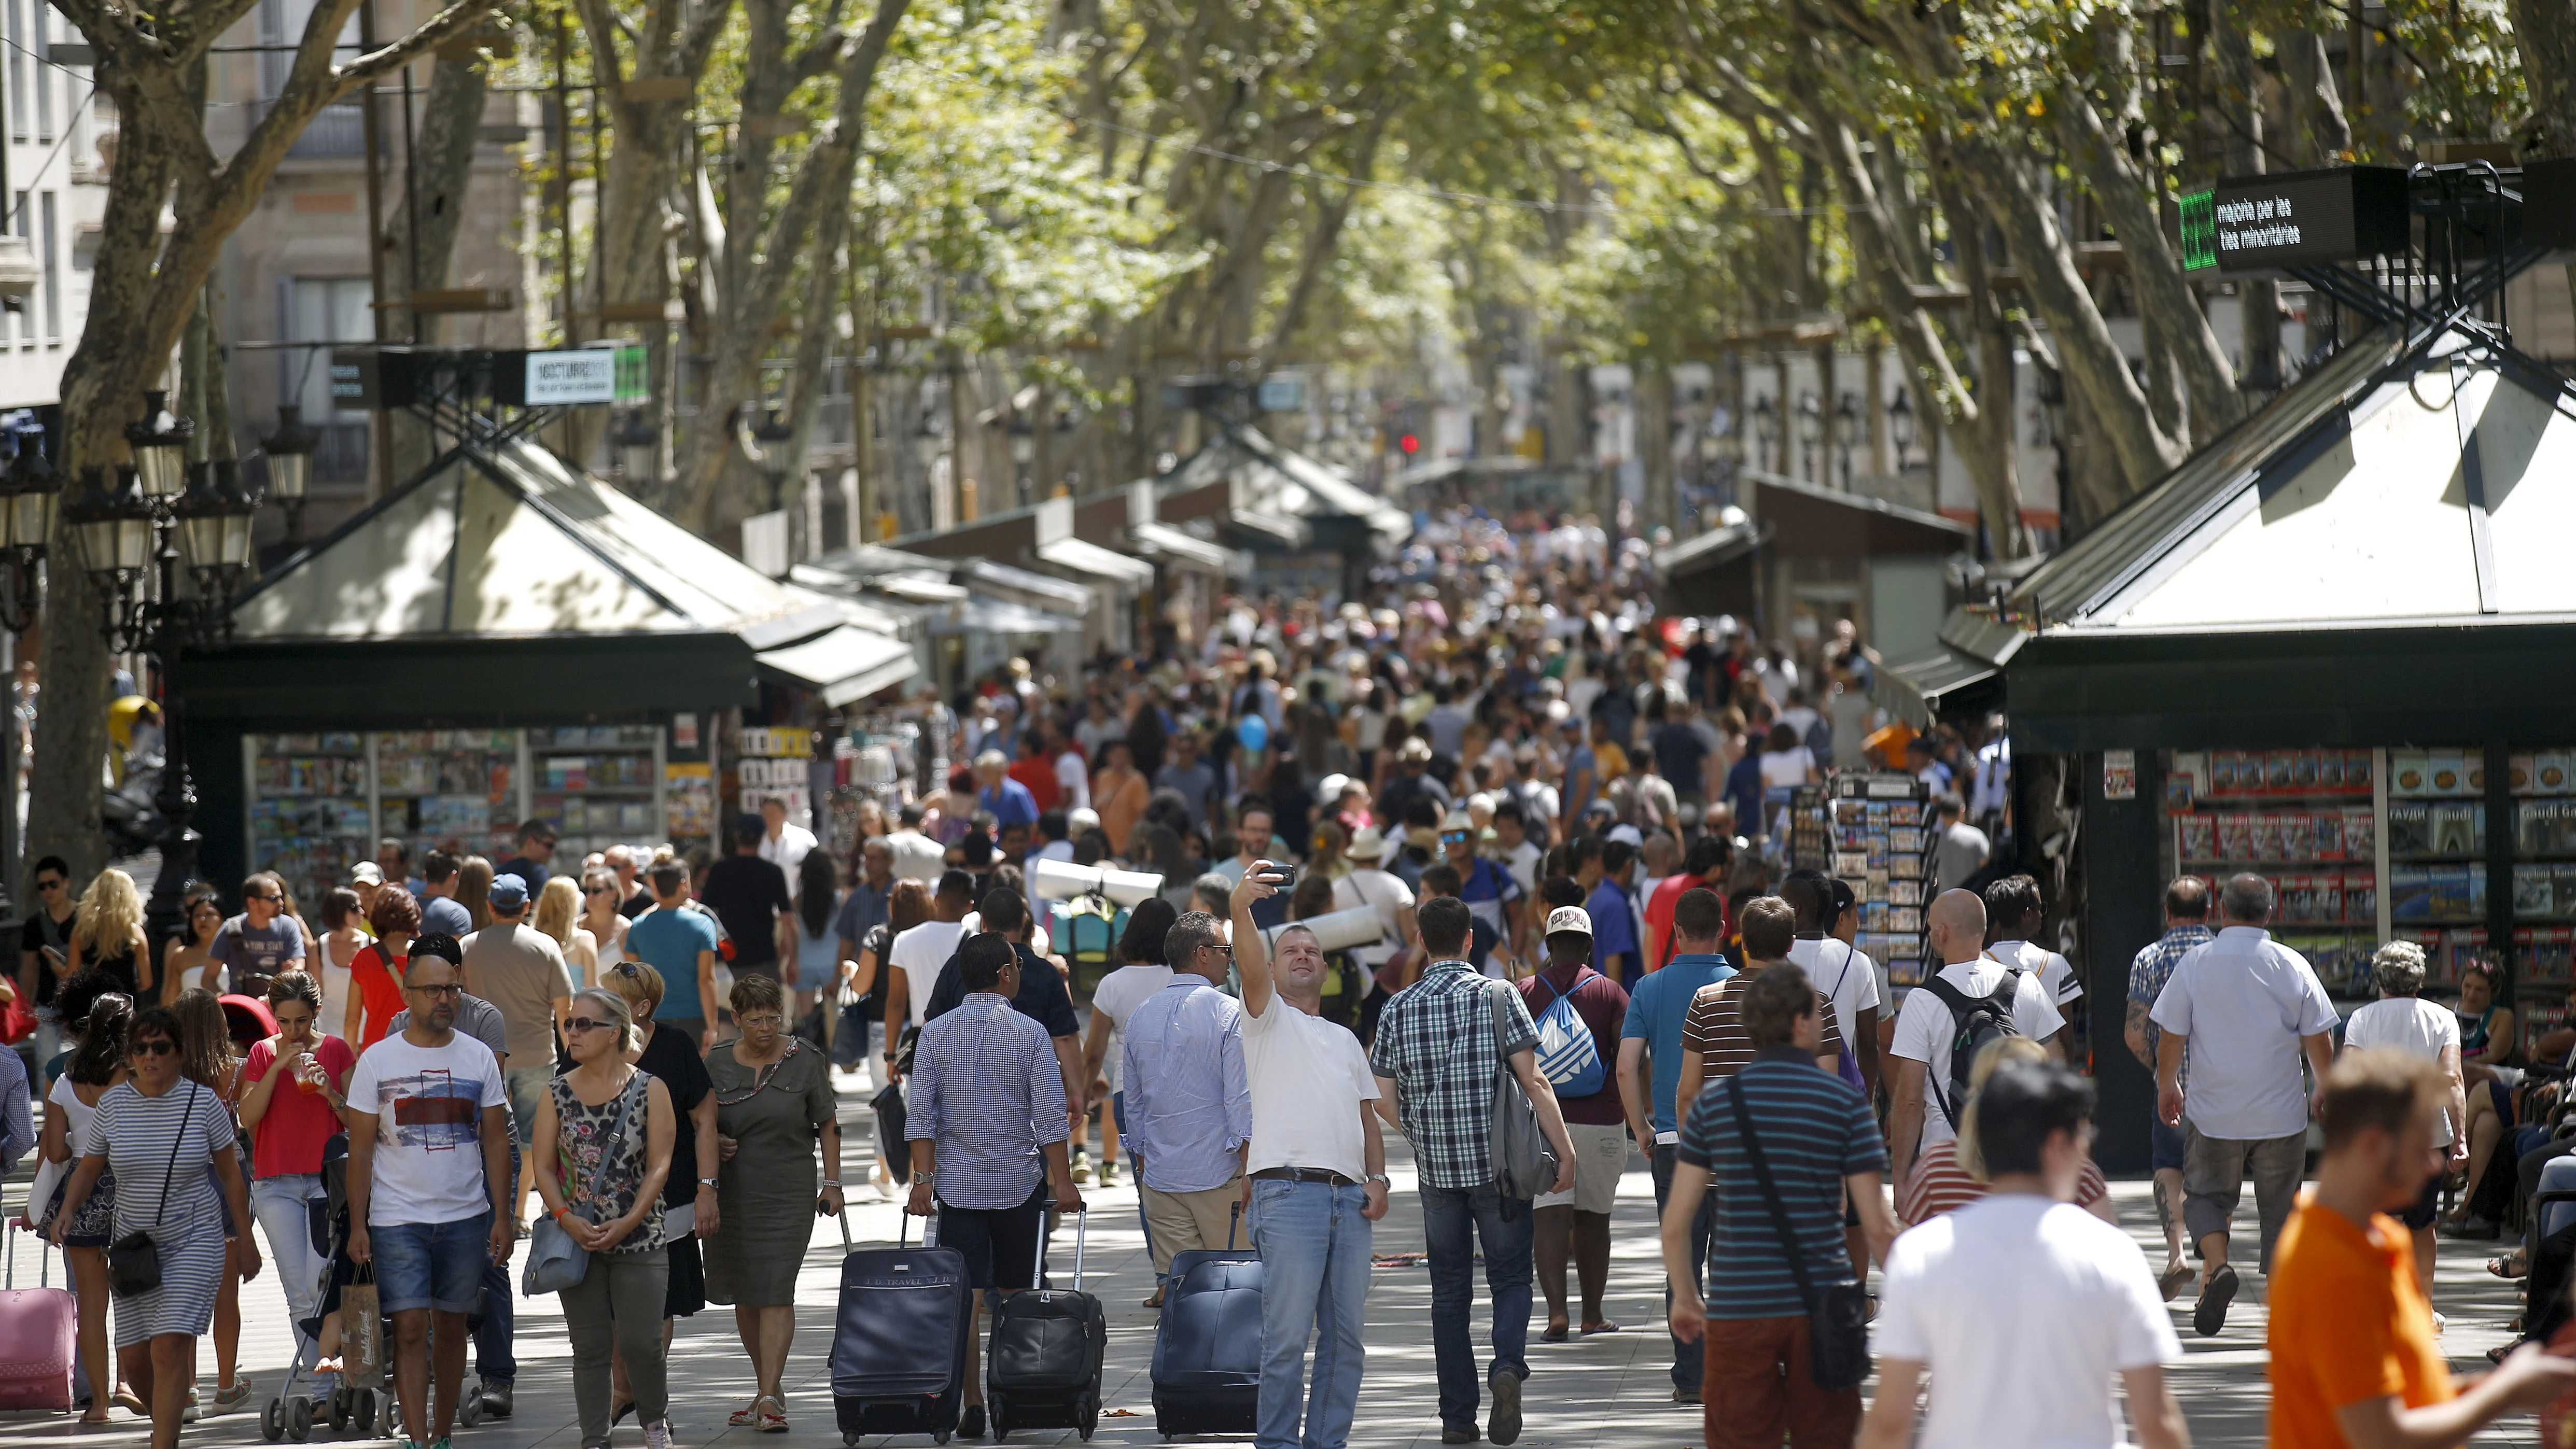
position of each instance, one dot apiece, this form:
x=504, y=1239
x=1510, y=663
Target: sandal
x=2506, y=1268
x=744, y=1418
x=2496, y=1355
x=126, y=1399
x=773, y=1421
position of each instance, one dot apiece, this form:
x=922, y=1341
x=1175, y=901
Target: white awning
x=1181, y=546
x=844, y=665
x=982, y=615
x=1090, y=558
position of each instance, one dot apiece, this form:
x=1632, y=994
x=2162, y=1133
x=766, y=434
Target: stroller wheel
x=272, y=1420
x=299, y=1419
x=336, y=1411
x=470, y=1413
x=362, y=1413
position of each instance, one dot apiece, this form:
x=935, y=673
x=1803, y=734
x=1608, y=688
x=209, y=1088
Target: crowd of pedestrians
x=1495, y=868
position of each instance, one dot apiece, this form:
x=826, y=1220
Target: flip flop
x=1604, y=1328
x=1552, y=1335
x=2171, y=1280
x=2504, y=1268
x=2210, y=1315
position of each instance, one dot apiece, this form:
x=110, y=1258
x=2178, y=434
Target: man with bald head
x=1970, y=989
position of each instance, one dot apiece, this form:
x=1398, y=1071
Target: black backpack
x=1974, y=1021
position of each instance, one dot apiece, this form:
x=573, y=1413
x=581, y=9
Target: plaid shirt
x=2154, y=967
x=1435, y=1039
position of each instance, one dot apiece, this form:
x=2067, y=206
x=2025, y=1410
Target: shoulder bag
x=134, y=1261
x=1523, y=1164
x=1838, y=1318
x=555, y=1261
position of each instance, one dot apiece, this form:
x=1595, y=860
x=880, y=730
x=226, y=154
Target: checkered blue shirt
x=2154, y=966
x=1435, y=1038
x=987, y=1090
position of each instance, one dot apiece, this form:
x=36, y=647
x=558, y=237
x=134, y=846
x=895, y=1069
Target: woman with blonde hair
x=474, y=889
x=1951, y=1175
x=558, y=906
x=107, y=931
x=600, y=899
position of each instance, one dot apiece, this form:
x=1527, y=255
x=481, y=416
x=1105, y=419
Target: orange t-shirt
x=2348, y=1325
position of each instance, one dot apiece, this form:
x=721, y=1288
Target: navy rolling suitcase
x=899, y=1342
x=1043, y=1367
x=1207, y=1351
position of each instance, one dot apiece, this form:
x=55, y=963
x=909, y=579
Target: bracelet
x=561, y=1213
x=834, y=1186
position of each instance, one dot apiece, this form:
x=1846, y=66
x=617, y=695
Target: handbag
x=134, y=1261
x=1524, y=1164
x=555, y=1261
x=1837, y=1319
x=17, y=1022
x=892, y=1147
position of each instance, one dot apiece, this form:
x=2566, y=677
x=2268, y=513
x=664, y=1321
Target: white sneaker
x=657, y=1435
x=188, y=1415
x=2440, y=1323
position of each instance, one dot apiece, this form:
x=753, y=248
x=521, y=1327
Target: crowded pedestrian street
x=1602, y=1391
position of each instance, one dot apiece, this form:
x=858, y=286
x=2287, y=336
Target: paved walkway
x=1607, y=1391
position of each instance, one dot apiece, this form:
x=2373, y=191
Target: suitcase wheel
x=299, y=1419
x=272, y=1421
x=938, y=1436
x=470, y=1413
x=1089, y=1414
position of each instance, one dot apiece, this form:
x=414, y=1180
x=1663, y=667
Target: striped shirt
x=987, y=1091
x=1815, y=1130
x=1189, y=1102
x=1714, y=1028
x=1435, y=1041
x=1940, y=1185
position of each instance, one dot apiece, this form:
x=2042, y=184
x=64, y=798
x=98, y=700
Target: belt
x=1304, y=1174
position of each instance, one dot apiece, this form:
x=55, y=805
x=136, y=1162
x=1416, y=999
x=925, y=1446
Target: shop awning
x=1084, y=557
x=1913, y=689
x=1179, y=546
x=844, y=665
x=1270, y=490
x=1026, y=587
x=981, y=615
x=1720, y=545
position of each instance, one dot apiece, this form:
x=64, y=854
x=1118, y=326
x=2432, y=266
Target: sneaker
x=1504, y=1424
x=1081, y=1170
x=190, y=1414
x=1109, y=1174
x=1685, y=1396
x=657, y=1435
x=234, y=1397
x=406, y=1444
x=1452, y=1434
x=496, y=1398
x=444, y=1443
x=970, y=1425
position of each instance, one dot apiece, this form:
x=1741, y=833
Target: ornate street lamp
x=112, y=528
x=772, y=432
x=160, y=446
x=639, y=448
x=1811, y=421
x=290, y=451
x=1847, y=432
x=213, y=523
x=1900, y=429
x=31, y=493
x=1766, y=427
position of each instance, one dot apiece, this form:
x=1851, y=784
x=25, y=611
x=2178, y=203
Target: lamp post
x=639, y=449
x=134, y=539
x=289, y=451
x=1847, y=432
x=1811, y=430
x=772, y=433
x=31, y=492
x=1766, y=429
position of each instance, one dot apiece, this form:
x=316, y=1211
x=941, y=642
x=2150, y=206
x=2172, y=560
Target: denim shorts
x=431, y=1265
x=2164, y=1146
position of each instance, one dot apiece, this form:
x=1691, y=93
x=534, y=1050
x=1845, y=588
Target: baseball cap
x=366, y=872
x=509, y=892
x=1572, y=919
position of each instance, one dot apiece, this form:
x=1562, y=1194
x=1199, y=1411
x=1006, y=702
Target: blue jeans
x=492, y=1338
x=1690, y=1360
x=437, y=1266
x=1314, y=1249
x=1136, y=1172
x=1454, y=1221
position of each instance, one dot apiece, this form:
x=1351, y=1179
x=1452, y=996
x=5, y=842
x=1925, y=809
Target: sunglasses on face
x=50, y=885
x=1455, y=837
x=159, y=1046
x=585, y=1023
x=443, y=989
x=270, y=900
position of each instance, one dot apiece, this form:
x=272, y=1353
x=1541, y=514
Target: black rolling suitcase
x=1207, y=1351
x=899, y=1341
x=1043, y=1365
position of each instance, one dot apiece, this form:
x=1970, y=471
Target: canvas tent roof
x=499, y=543
x=2397, y=515
x=1271, y=482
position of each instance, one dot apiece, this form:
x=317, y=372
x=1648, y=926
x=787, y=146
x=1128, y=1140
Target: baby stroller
x=362, y=1402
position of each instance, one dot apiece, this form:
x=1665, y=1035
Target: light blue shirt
x=1189, y=1104
x=1656, y=1011
x=987, y=1090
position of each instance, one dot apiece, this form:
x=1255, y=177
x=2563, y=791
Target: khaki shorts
x=1600, y=1157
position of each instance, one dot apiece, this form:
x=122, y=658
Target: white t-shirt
x=428, y=1103
x=788, y=851
x=1309, y=1080
x=2055, y=971
x=1073, y=776
x=2414, y=1026
x=1786, y=769
x=1924, y=1029
x=1847, y=976
x=1367, y=886
x=2025, y=1310
x=918, y=954
x=2245, y=1000
x=1523, y=862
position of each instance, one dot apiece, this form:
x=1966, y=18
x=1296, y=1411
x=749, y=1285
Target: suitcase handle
x=1081, y=1236
x=1233, y=1218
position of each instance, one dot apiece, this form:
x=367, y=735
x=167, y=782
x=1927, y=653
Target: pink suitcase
x=38, y=1330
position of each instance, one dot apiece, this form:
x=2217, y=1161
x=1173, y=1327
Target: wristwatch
x=1380, y=1179
x=710, y=1182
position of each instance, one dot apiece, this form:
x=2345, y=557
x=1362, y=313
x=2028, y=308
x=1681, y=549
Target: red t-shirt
x=380, y=995
x=1037, y=773
x=289, y=1138
x=1659, y=915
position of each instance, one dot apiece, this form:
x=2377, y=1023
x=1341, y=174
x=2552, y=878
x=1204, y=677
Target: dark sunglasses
x=159, y=1046
x=1454, y=837
x=55, y=884
x=584, y=1023
x=272, y=900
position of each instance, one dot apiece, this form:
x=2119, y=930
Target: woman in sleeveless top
x=602, y=1181
x=336, y=949
x=375, y=975
x=184, y=956
x=107, y=934
x=97, y=1064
